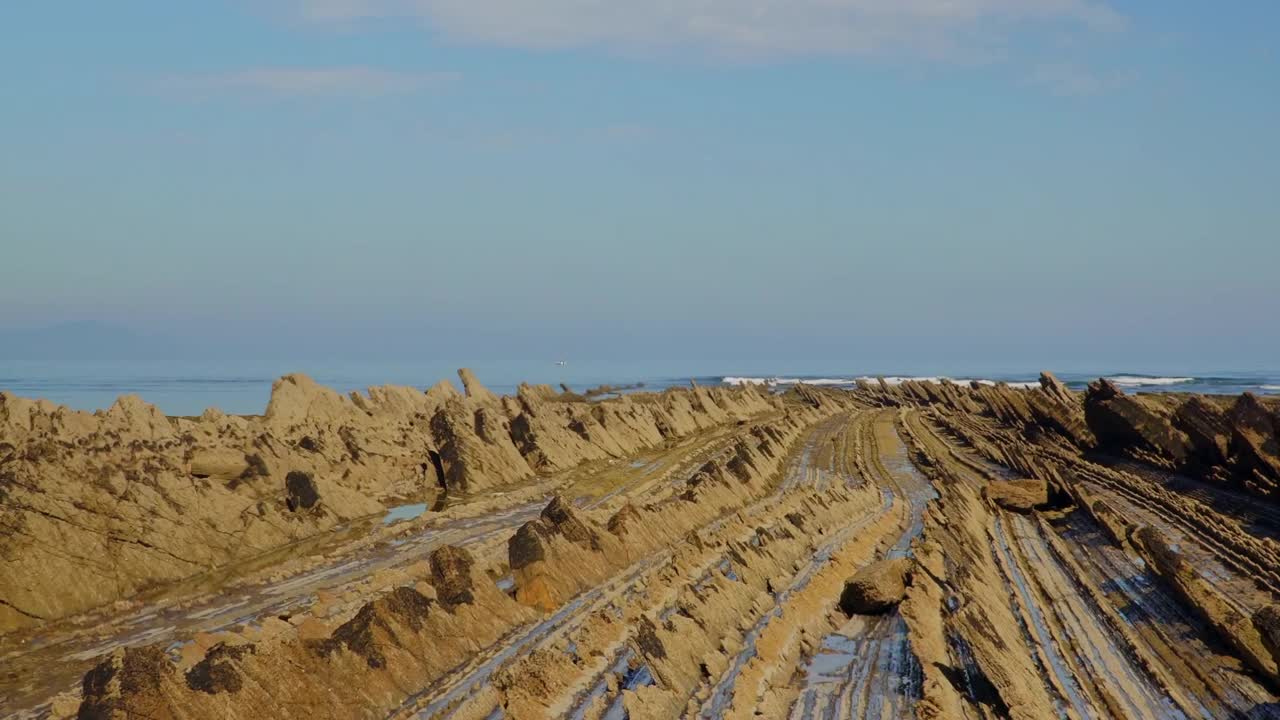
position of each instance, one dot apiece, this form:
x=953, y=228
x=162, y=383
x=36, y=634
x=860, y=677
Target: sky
x=691, y=186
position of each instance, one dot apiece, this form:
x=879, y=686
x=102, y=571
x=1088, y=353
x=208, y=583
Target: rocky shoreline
x=920, y=549
x=126, y=499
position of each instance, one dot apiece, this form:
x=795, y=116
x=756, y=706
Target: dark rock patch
x=300, y=491
x=451, y=576
x=217, y=672
x=375, y=627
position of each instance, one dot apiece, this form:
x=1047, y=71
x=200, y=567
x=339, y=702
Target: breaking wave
x=784, y=381
x=895, y=380
x=1133, y=382
x=1023, y=385
x=1143, y=381
x=889, y=380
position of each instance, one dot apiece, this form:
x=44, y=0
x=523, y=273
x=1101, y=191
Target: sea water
x=190, y=388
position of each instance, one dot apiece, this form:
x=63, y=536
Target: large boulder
x=876, y=588
x=223, y=464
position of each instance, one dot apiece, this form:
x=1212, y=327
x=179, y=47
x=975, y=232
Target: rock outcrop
x=369, y=660
x=1251, y=639
x=401, y=639
x=1134, y=425
x=1021, y=496
x=1236, y=443
x=451, y=575
x=128, y=683
x=128, y=499
x=1231, y=442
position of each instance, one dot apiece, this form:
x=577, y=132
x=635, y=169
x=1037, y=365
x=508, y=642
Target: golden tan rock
x=876, y=588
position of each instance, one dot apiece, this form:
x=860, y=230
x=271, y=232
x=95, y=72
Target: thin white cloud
x=1071, y=80
x=774, y=27
x=351, y=81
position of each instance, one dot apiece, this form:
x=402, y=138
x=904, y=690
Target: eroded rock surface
x=1021, y=496
x=876, y=588
x=367, y=659
x=902, y=550
x=128, y=499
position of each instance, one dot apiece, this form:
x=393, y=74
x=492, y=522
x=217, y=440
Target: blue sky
x=798, y=185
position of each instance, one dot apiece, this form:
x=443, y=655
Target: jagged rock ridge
x=127, y=499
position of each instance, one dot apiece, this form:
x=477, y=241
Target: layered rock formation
x=414, y=636
x=408, y=635
x=561, y=554
x=1065, y=566
x=1231, y=441
x=128, y=499
x=922, y=550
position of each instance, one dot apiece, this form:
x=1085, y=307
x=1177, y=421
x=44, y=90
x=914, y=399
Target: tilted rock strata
x=414, y=635
x=560, y=554
x=703, y=634
x=1236, y=442
x=405, y=638
x=1187, y=554
x=128, y=499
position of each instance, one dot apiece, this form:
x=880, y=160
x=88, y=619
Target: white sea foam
x=1025, y=385
x=1269, y=387
x=960, y=381
x=895, y=380
x=889, y=380
x=1138, y=381
x=784, y=381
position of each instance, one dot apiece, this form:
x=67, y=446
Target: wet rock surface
x=903, y=549
x=128, y=499
x=1157, y=575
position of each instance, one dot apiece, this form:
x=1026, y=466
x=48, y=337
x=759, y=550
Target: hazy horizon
x=984, y=187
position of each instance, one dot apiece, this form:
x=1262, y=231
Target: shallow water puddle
x=404, y=512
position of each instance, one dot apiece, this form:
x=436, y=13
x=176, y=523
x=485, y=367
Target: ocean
x=1215, y=384
x=189, y=390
